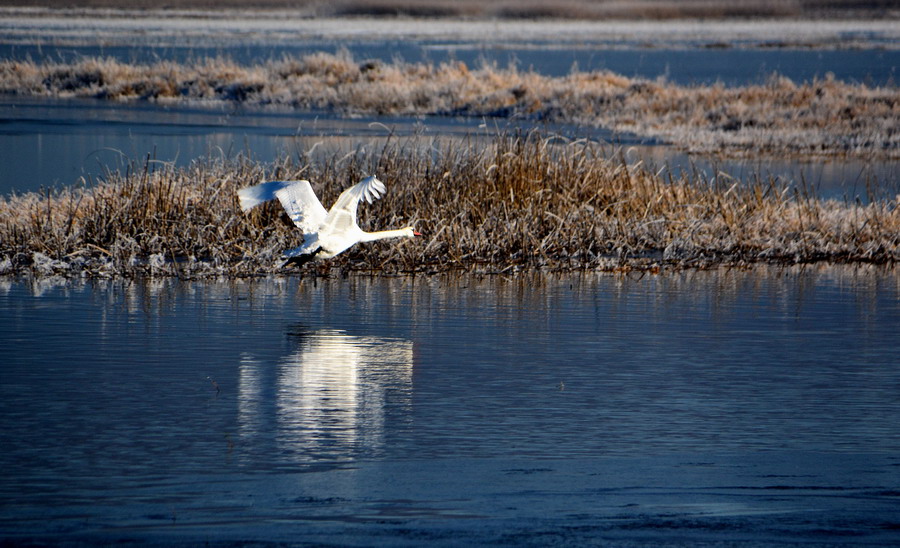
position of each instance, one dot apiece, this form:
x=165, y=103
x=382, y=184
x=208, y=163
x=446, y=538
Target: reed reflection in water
x=329, y=396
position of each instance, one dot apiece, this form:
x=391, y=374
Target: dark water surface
x=756, y=408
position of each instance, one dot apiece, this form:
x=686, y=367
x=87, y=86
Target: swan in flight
x=325, y=233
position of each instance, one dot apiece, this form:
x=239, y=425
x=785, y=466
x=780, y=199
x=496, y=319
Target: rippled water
x=757, y=407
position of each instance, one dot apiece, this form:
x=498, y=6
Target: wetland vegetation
x=820, y=117
x=527, y=200
x=524, y=201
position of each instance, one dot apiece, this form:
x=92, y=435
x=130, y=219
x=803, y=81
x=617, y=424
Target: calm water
x=758, y=408
x=56, y=143
x=53, y=143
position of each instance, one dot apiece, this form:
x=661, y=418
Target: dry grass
x=824, y=117
x=521, y=203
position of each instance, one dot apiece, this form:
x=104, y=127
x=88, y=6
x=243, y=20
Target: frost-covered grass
x=822, y=117
x=523, y=202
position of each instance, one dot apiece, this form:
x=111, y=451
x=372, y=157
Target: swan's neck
x=384, y=234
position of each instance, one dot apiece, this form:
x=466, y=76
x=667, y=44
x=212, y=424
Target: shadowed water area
x=753, y=407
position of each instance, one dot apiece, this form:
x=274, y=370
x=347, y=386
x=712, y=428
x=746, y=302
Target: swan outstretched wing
x=252, y=196
x=302, y=206
x=296, y=197
x=342, y=216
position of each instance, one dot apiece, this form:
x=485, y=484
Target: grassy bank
x=824, y=117
x=523, y=202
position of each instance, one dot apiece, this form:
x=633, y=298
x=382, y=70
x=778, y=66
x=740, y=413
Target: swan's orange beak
x=416, y=233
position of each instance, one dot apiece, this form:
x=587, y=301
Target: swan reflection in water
x=327, y=398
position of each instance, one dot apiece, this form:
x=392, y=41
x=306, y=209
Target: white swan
x=325, y=233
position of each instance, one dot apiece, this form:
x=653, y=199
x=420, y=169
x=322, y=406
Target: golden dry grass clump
x=822, y=117
x=517, y=202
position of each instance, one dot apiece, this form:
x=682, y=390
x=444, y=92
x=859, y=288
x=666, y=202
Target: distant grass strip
x=823, y=117
x=521, y=202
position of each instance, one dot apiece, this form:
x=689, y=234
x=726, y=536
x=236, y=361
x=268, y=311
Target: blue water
x=48, y=143
x=54, y=143
x=755, y=407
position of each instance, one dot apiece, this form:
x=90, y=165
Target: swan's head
x=410, y=232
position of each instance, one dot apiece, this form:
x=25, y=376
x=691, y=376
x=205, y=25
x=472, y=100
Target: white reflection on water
x=330, y=394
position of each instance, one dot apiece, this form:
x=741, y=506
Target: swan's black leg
x=301, y=260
